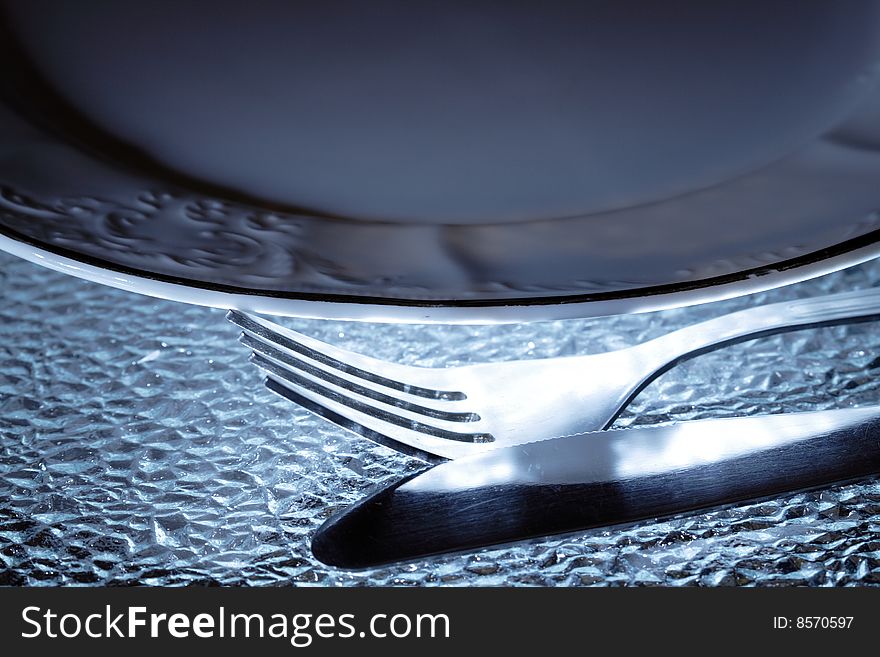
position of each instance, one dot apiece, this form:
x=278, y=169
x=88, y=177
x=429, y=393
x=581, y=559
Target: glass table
x=138, y=446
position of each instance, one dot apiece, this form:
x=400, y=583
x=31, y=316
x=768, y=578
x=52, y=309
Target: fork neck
x=761, y=321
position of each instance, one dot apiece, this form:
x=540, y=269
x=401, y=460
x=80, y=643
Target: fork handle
x=760, y=321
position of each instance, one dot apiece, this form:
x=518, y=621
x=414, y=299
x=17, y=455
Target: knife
x=602, y=478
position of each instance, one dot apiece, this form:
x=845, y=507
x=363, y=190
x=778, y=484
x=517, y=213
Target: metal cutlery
x=447, y=413
x=608, y=477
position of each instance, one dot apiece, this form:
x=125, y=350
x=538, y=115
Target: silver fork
x=446, y=413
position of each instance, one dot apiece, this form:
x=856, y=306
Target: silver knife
x=576, y=482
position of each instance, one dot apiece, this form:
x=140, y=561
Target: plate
x=466, y=162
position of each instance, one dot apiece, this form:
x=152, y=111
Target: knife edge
x=409, y=519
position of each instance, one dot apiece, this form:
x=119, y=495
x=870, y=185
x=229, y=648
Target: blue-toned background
x=138, y=446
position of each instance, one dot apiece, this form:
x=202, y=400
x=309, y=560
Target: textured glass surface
x=138, y=445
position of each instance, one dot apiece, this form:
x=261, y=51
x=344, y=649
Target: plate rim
x=334, y=306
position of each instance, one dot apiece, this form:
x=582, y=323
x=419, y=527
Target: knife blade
x=603, y=478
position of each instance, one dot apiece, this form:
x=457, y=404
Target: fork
x=445, y=413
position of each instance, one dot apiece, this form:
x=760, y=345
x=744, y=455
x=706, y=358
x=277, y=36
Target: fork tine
x=322, y=410
x=287, y=364
x=399, y=433
x=342, y=360
x=394, y=415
